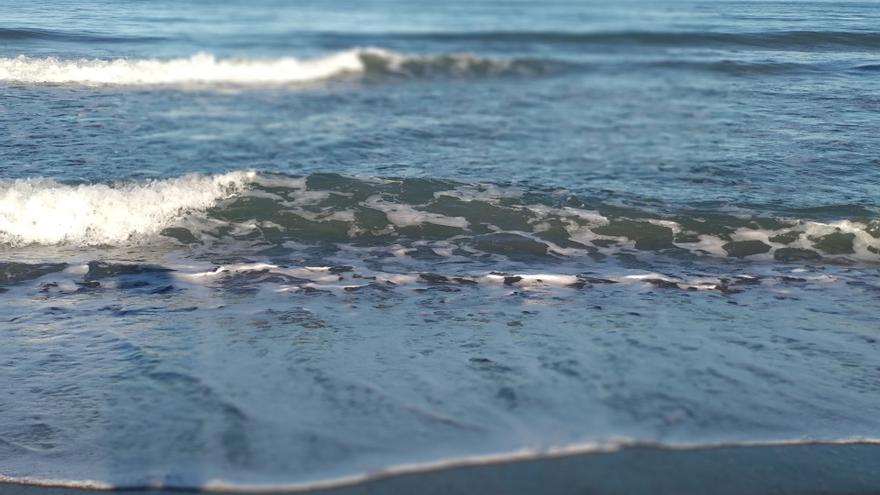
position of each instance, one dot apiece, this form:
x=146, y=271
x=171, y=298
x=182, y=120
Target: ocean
x=253, y=244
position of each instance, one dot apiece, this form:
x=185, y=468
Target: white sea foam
x=199, y=68
x=403, y=215
x=41, y=211
x=359, y=276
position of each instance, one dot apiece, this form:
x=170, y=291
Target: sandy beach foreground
x=851, y=468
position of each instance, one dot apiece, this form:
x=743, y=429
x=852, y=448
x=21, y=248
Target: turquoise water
x=263, y=242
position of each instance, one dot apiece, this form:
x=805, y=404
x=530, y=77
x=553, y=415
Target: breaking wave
x=42, y=211
x=204, y=68
x=413, y=215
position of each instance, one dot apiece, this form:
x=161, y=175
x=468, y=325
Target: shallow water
x=274, y=244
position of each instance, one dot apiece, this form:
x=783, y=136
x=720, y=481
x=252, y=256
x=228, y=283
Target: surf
x=43, y=211
x=208, y=69
x=409, y=215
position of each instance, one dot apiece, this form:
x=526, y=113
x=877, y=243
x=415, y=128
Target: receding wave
x=205, y=68
x=445, y=218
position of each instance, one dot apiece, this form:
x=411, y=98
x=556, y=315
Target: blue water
x=265, y=242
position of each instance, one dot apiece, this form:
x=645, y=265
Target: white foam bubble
x=403, y=215
x=41, y=211
x=199, y=68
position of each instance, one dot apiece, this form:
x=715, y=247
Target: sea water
x=269, y=243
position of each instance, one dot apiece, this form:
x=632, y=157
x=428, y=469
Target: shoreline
x=851, y=467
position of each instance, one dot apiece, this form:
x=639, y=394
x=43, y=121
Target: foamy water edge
x=555, y=452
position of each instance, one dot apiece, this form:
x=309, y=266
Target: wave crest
x=42, y=211
x=411, y=216
x=204, y=68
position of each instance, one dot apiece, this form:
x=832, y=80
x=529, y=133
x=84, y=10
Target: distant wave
x=470, y=219
x=769, y=39
x=782, y=40
x=22, y=34
x=206, y=68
